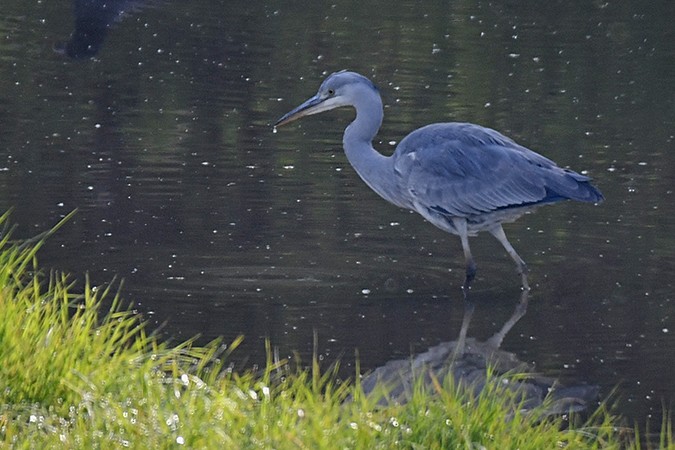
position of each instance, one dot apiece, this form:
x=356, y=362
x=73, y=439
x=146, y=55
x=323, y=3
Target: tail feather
x=591, y=193
x=574, y=186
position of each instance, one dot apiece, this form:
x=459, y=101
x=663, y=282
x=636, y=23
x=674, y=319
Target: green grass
x=76, y=374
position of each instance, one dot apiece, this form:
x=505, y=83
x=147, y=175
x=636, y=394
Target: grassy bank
x=74, y=374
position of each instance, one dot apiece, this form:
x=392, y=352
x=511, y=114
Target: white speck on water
x=665, y=330
x=365, y=291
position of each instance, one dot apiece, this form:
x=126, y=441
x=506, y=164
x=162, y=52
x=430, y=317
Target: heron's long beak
x=313, y=105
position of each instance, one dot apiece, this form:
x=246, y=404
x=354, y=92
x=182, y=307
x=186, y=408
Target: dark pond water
x=219, y=227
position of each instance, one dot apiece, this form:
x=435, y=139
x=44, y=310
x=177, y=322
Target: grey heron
x=461, y=177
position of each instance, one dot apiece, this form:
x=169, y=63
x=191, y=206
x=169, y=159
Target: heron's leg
x=460, y=226
x=498, y=232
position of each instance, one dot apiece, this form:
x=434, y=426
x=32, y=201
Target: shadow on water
x=467, y=361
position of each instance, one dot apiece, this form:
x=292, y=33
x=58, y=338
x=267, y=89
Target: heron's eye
x=331, y=92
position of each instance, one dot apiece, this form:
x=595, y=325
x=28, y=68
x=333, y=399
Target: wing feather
x=464, y=169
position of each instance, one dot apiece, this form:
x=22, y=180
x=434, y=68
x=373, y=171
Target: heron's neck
x=374, y=168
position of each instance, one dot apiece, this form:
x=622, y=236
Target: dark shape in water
x=93, y=19
x=466, y=361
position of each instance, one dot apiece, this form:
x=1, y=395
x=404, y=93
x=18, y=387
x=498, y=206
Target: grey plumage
x=463, y=178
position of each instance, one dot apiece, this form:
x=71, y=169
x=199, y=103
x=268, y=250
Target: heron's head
x=339, y=89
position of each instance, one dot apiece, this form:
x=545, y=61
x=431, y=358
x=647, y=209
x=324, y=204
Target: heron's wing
x=463, y=169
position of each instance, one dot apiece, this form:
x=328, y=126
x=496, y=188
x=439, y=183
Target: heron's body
x=476, y=173
x=461, y=177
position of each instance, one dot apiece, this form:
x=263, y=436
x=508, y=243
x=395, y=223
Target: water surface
x=163, y=142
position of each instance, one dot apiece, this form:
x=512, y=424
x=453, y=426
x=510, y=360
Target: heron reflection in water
x=461, y=177
x=472, y=365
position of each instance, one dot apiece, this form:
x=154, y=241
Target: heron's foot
x=470, y=275
x=466, y=287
